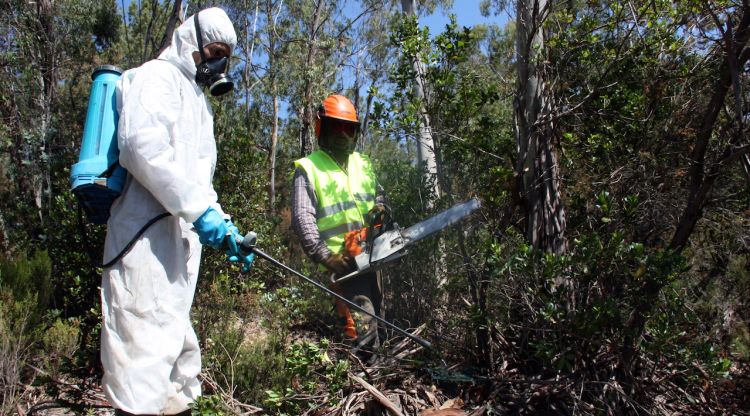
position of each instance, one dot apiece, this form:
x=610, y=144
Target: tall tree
x=175, y=19
x=46, y=47
x=273, y=87
x=732, y=55
x=306, y=106
x=321, y=46
x=716, y=145
x=537, y=165
x=33, y=46
x=426, y=144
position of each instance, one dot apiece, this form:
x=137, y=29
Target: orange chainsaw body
x=354, y=244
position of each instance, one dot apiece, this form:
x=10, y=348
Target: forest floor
x=390, y=388
x=399, y=382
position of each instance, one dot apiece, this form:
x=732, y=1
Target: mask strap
x=199, y=35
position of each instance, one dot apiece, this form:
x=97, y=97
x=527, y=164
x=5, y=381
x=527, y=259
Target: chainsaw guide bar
x=394, y=244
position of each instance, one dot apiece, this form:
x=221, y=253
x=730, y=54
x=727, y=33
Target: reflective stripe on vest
x=343, y=199
x=343, y=206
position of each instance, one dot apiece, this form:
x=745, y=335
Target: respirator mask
x=211, y=73
x=339, y=138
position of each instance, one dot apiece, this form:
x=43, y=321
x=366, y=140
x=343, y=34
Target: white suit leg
x=149, y=351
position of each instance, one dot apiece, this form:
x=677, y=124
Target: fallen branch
x=380, y=397
x=228, y=398
x=406, y=341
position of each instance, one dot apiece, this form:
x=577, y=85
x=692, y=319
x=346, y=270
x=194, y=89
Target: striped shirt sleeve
x=303, y=217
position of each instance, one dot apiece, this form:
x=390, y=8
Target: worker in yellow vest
x=334, y=191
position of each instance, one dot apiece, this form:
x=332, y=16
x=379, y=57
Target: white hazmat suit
x=149, y=350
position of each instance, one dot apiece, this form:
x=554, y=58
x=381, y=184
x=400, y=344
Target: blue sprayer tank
x=97, y=179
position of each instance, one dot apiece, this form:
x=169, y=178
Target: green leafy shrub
x=311, y=371
x=60, y=342
x=24, y=277
x=24, y=294
x=18, y=333
x=581, y=305
x=209, y=405
x=240, y=353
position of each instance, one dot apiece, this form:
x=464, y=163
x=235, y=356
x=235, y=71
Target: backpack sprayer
x=97, y=179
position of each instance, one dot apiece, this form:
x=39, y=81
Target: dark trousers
x=366, y=291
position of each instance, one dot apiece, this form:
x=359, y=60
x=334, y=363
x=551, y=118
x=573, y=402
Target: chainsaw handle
x=335, y=278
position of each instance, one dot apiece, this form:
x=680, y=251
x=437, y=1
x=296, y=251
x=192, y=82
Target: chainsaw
x=378, y=244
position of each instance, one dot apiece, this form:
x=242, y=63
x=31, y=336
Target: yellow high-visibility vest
x=344, y=198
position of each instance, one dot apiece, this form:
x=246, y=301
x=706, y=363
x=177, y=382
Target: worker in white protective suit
x=149, y=350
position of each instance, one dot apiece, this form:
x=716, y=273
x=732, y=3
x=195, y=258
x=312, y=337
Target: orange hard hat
x=336, y=107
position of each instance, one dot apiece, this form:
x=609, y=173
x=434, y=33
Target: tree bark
x=426, y=146
x=700, y=186
x=39, y=154
x=307, y=112
x=700, y=183
x=174, y=19
x=275, y=112
x=272, y=156
x=537, y=163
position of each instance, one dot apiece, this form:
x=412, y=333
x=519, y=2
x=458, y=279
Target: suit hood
x=215, y=27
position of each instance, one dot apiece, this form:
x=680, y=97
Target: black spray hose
x=248, y=246
x=133, y=240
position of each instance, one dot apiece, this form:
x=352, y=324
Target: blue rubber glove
x=247, y=261
x=234, y=255
x=233, y=241
x=233, y=229
x=211, y=228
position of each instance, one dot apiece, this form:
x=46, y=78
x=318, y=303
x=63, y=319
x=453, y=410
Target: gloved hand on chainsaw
x=339, y=264
x=377, y=214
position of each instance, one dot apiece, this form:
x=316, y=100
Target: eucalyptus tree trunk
x=248, y=48
x=537, y=162
x=45, y=52
x=306, y=110
x=426, y=145
x=175, y=19
x=426, y=149
x=275, y=114
x=272, y=156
